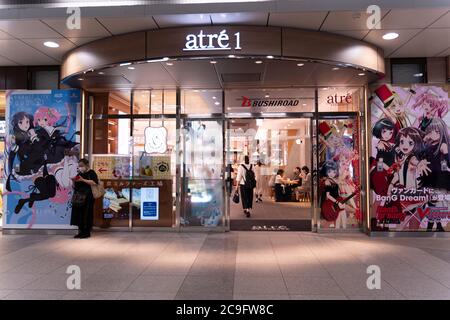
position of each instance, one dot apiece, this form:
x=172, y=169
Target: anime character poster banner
x=339, y=175
x=410, y=162
x=41, y=157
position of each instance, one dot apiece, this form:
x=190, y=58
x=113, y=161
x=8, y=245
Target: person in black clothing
x=83, y=200
x=246, y=192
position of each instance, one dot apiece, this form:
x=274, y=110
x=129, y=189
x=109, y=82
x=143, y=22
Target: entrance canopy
x=222, y=57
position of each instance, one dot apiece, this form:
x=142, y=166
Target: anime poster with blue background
x=41, y=157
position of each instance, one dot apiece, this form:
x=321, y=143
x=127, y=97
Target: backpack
x=249, y=181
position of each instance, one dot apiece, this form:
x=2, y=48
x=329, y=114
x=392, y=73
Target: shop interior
x=277, y=148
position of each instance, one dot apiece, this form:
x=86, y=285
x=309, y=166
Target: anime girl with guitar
x=333, y=206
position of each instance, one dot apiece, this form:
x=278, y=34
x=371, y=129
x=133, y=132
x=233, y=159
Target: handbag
x=79, y=199
x=236, y=197
x=98, y=191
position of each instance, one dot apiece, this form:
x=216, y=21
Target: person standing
x=83, y=199
x=246, y=182
x=259, y=182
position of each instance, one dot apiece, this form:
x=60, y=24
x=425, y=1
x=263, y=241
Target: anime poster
x=409, y=166
x=41, y=157
x=339, y=175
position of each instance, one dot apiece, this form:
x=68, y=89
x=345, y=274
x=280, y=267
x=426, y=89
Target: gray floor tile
x=268, y=285
x=156, y=284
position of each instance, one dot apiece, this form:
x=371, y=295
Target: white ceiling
x=424, y=32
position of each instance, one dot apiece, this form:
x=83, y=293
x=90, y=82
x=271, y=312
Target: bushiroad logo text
x=269, y=102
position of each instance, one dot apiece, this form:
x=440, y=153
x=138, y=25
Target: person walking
x=259, y=182
x=246, y=182
x=83, y=199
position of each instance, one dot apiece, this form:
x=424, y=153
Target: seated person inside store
x=283, y=187
x=305, y=186
x=296, y=179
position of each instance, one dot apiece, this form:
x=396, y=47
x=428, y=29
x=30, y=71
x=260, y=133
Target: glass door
x=202, y=174
x=338, y=201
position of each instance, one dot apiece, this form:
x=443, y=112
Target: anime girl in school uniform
x=23, y=142
x=48, y=129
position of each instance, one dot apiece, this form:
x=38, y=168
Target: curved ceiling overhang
x=240, y=41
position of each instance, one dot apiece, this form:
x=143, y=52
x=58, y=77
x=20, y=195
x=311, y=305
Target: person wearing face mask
x=83, y=199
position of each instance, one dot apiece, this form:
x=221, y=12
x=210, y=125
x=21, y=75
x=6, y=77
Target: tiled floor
x=234, y=265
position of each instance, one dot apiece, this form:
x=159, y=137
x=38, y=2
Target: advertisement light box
x=149, y=203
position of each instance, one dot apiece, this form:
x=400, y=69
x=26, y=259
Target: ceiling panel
x=183, y=71
x=444, y=53
x=81, y=41
x=376, y=37
x=119, y=25
x=303, y=20
x=28, y=29
x=57, y=53
x=347, y=20
x=428, y=43
x=90, y=27
x=6, y=62
x=247, y=18
x=24, y=54
x=411, y=19
x=175, y=20
x=443, y=22
x=5, y=36
x=355, y=34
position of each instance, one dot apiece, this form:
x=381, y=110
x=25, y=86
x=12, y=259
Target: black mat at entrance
x=269, y=225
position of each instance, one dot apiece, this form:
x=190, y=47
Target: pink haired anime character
x=431, y=106
x=48, y=123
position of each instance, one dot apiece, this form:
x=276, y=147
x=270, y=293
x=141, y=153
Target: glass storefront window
x=111, y=160
x=339, y=99
x=112, y=103
x=154, y=102
x=202, y=176
x=155, y=163
x=201, y=102
x=339, y=174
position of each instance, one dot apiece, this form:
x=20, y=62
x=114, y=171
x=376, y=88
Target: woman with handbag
x=83, y=199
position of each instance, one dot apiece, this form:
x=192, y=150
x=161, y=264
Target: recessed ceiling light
x=324, y=88
x=266, y=96
x=390, y=36
x=361, y=74
x=269, y=57
x=214, y=98
x=169, y=63
x=418, y=75
x=213, y=61
x=131, y=68
x=300, y=64
x=51, y=44
x=80, y=79
x=101, y=72
x=231, y=56
x=335, y=68
x=304, y=104
x=217, y=103
x=125, y=64
x=258, y=61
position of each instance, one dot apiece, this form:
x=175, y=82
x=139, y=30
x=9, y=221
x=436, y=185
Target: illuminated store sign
x=269, y=102
x=213, y=41
x=337, y=99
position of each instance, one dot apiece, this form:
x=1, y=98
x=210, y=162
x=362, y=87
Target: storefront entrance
x=279, y=151
x=190, y=144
